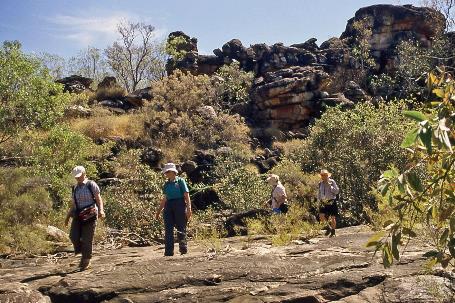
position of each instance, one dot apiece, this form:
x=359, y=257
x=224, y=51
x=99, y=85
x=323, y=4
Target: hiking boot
x=328, y=230
x=332, y=233
x=183, y=250
x=85, y=264
x=168, y=254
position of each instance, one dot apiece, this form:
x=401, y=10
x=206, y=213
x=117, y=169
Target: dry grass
x=110, y=93
x=129, y=126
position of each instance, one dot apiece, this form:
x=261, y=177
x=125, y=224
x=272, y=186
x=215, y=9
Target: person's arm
x=71, y=211
x=186, y=196
x=100, y=204
x=334, y=187
x=160, y=208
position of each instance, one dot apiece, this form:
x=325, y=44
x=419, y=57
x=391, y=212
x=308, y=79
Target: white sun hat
x=78, y=171
x=169, y=167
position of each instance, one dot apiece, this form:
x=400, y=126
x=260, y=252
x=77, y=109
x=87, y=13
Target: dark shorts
x=329, y=209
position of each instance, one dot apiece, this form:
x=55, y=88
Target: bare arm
x=186, y=196
x=100, y=204
x=160, y=208
x=71, y=211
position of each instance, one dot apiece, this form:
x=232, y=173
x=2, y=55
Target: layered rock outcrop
x=391, y=24
x=278, y=97
x=288, y=98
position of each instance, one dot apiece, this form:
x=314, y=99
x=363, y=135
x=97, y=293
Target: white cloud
x=96, y=30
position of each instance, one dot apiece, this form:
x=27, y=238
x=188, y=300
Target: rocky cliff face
x=338, y=269
x=392, y=24
x=280, y=97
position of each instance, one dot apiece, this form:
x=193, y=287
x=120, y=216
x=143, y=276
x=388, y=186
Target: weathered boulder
x=75, y=84
x=152, y=156
x=287, y=98
x=355, y=93
x=21, y=293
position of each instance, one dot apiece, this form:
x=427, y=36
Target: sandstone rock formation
x=75, y=84
x=241, y=269
x=392, y=24
x=288, y=98
x=277, y=96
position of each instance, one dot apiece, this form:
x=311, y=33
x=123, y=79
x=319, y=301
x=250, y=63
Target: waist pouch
x=87, y=214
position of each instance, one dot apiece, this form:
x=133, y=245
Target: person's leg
x=87, y=235
x=333, y=225
x=180, y=222
x=75, y=235
x=169, y=222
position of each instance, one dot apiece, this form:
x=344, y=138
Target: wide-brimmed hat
x=273, y=178
x=169, y=167
x=325, y=172
x=78, y=171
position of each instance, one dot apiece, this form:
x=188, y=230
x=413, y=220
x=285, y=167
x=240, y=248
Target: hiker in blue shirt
x=177, y=209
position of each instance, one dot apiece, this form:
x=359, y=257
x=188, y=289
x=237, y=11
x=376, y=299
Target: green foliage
x=242, y=190
x=356, y=146
x=429, y=196
x=132, y=206
x=24, y=202
x=175, y=47
x=28, y=96
x=54, y=154
x=361, y=48
x=382, y=85
x=233, y=85
x=416, y=60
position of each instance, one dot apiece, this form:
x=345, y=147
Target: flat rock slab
x=240, y=269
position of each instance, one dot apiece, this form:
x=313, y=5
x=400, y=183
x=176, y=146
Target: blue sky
x=64, y=27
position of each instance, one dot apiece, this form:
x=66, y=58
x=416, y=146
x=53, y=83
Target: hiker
x=85, y=209
x=327, y=197
x=278, y=199
x=177, y=209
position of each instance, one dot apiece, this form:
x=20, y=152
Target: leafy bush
x=183, y=92
x=54, y=154
x=24, y=202
x=242, y=190
x=233, y=85
x=355, y=145
x=132, y=205
x=426, y=198
x=29, y=97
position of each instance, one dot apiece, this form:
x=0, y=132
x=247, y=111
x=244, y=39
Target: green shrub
x=54, y=154
x=29, y=97
x=355, y=145
x=233, y=85
x=181, y=116
x=243, y=190
x=131, y=206
x=24, y=202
